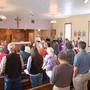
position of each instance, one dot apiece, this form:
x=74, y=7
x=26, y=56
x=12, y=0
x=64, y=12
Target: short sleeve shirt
x=82, y=61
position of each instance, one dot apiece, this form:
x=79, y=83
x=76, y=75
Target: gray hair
x=11, y=46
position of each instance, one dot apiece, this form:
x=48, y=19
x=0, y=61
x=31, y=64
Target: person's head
x=22, y=48
x=78, y=38
x=35, y=52
x=69, y=45
x=1, y=48
x=27, y=49
x=82, y=45
x=50, y=50
x=42, y=51
x=11, y=47
x=62, y=56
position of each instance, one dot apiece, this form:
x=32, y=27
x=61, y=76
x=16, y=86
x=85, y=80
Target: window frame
x=71, y=30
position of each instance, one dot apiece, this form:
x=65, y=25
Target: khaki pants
x=58, y=88
x=80, y=81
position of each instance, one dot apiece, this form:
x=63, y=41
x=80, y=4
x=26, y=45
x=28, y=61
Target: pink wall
x=25, y=23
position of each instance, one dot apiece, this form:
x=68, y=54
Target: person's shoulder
x=57, y=67
x=47, y=56
x=88, y=54
x=78, y=54
x=4, y=57
x=71, y=66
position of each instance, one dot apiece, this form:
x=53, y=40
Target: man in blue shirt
x=81, y=73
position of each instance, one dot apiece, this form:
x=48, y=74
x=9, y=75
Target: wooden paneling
x=45, y=33
x=15, y=34
x=25, y=35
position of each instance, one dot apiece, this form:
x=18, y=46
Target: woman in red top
x=2, y=53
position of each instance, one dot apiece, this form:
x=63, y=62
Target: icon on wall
x=83, y=34
x=61, y=34
x=79, y=33
x=75, y=34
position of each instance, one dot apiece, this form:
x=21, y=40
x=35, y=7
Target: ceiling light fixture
x=85, y=1
x=53, y=21
x=39, y=30
x=2, y=17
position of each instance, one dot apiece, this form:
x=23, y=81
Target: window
x=89, y=33
x=68, y=31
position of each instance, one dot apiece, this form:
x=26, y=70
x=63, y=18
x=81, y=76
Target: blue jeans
x=8, y=83
x=36, y=79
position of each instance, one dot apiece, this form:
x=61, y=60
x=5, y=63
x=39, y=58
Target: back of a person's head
x=62, y=56
x=27, y=49
x=82, y=44
x=78, y=38
x=22, y=47
x=69, y=45
x=66, y=39
x=11, y=46
x=1, y=48
x=35, y=52
x=50, y=50
x=47, y=39
x=42, y=51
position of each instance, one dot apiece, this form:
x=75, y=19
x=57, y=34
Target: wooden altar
x=12, y=35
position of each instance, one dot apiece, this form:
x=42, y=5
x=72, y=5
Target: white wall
x=25, y=23
x=79, y=24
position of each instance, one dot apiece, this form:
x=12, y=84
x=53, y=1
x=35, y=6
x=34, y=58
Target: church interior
x=36, y=20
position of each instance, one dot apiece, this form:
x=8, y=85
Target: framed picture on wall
x=61, y=34
x=83, y=34
x=75, y=34
x=89, y=33
x=79, y=33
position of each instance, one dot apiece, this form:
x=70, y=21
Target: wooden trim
x=47, y=86
x=88, y=33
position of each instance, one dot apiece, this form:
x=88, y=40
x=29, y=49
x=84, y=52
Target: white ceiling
x=44, y=8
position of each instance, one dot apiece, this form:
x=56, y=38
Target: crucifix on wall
x=17, y=19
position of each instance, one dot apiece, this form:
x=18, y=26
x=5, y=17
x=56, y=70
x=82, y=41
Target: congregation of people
x=63, y=63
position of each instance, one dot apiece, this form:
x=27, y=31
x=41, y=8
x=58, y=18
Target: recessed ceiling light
x=53, y=21
x=2, y=17
x=39, y=30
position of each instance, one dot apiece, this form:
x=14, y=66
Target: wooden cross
x=17, y=19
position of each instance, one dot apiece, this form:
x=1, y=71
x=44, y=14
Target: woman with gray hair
x=50, y=61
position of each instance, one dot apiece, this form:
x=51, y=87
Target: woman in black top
x=34, y=66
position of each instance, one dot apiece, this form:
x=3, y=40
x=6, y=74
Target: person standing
x=34, y=67
x=12, y=65
x=62, y=73
x=26, y=54
x=50, y=61
x=70, y=53
x=81, y=73
x=2, y=53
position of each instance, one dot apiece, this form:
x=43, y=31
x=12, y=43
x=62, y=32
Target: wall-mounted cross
x=17, y=19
